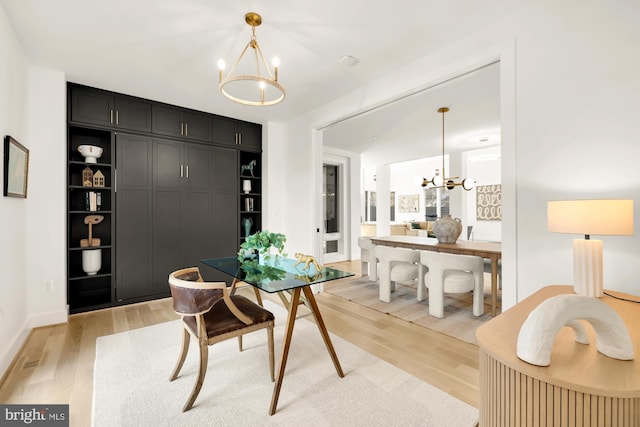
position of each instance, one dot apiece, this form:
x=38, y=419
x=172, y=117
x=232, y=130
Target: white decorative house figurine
x=91, y=153
x=543, y=324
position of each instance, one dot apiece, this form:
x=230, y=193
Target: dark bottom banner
x=34, y=415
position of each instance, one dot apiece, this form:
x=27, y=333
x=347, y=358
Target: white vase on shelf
x=91, y=261
x=246, y=186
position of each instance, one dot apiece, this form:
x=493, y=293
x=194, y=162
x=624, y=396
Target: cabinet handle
x=181, y=171
x=117, y=116
x=181, y=128
x=186, y=133
x=111, y=116
x=115, y=179
x=240, y=138
x=187, y=171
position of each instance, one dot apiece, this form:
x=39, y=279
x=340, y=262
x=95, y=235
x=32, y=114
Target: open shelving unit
x=89, y=291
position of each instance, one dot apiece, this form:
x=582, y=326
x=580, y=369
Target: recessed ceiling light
x=347, y=61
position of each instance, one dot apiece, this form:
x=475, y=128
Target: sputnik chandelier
x=251, y=89
x=440, y=180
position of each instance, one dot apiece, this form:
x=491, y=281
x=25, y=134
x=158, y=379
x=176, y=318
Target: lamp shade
x=602, y=217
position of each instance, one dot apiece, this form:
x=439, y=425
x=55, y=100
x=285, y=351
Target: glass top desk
x=285, y=275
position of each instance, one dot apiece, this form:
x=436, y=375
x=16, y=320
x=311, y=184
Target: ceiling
x=167, y=50
x=411, y=128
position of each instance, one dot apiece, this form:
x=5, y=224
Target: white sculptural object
x=545, y=321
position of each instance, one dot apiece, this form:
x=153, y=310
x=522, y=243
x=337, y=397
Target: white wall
x=32, y=247
x=570, y=84
x=13, y=212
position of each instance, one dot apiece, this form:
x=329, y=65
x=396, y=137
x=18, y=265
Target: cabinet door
x=91, y=106
x=133, y=216
x=166, y=121
x=250, y=136
x=198, y=229
x=224, y=131
x=132, y=114
x=197, y=126
x=168, y=175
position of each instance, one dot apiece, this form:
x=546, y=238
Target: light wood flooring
x=56, y=362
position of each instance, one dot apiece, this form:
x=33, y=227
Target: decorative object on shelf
x=91, y=153
x=263, y=243
x=447, y=229
x=248, y=204
x=16, y=168
x=539, y=331
x=307, y=260
x=87, y=177
x=246, y=186
x=91, y=261
x=247, y=223
x=237, y=85
x=442, y=181
x=91, y=220
x=248, y=167
x=606, y=217
x=98, y=179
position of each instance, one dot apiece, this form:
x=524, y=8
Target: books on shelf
x=93, y=201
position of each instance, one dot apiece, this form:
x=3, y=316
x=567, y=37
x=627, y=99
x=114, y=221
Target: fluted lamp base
x=587, y=267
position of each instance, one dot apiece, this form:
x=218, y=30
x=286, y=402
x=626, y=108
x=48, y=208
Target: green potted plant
x=262, y=244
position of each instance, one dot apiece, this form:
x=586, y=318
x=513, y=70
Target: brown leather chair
x=210, y=313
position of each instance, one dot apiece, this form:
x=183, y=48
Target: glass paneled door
x=334, y=208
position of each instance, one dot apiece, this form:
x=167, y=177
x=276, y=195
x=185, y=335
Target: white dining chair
x=368, y=261
x=395, y=265
x=450, y=273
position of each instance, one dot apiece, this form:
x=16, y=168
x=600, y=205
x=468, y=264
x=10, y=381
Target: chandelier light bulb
x=221, y=64
x=468, y=183
x=418, y=181
x=437, y=181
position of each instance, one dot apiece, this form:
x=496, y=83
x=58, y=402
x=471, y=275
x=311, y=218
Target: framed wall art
x=489, y=202
x=16, y=168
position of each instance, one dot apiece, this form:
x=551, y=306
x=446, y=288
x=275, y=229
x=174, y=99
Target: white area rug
x=131, y=386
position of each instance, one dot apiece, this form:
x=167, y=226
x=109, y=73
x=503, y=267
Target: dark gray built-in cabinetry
x=172, y=195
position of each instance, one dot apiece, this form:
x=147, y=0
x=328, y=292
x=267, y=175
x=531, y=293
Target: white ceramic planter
x=91, y=153
x=92, y=261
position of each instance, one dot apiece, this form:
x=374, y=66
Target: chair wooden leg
x=183, y=354
x=271, y=352
x=202, y=370
x=240, y=342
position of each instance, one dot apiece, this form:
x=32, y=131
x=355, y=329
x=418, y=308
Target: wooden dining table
x=488, y=250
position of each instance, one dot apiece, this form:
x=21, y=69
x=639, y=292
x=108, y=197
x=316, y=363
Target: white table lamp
x=605, y=217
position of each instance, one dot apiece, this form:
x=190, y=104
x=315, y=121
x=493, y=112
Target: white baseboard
x=10, y=352
x=45, y=319
x=50, y=318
